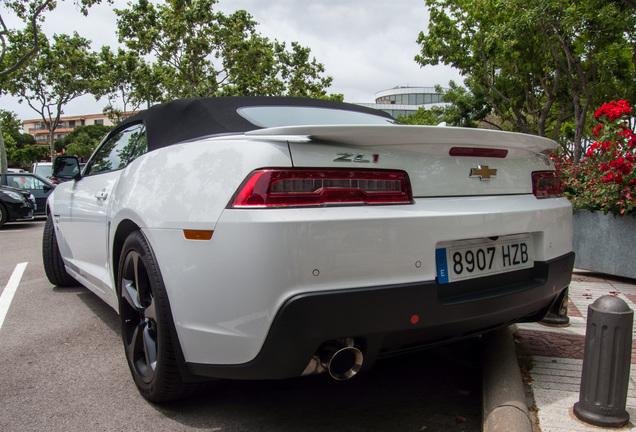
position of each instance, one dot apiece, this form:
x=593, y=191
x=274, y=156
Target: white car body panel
x=81, y=213
x=343, y=241
x=431, y=174
x=197, y=200
x=97, y=203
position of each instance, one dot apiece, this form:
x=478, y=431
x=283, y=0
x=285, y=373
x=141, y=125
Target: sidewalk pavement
x=557, y=356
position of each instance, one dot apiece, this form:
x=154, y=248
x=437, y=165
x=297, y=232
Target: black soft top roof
x=185, y=119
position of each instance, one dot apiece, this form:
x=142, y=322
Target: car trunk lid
x=440, y=161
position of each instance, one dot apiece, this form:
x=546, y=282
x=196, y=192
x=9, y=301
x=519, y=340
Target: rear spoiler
x=387, y=135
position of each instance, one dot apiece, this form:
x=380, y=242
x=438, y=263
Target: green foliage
x=605, y=180
x=130, y=79
x=25, y=156
x=15, y=56
x=10, y=123
x=200, y=53
x=20, y=147
x=468, y=105
x=422, y=116
x=11, y=126
x=31, y=12
x=538, y=63
x=64, y=70
x=82, y=140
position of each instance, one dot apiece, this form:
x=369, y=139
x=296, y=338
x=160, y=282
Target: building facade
x=405, y=100
x=40, y=132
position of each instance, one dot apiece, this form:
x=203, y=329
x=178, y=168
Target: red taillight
x=301, y=187
x=546, y=184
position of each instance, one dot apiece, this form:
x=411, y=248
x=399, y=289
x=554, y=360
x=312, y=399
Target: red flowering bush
x=605, y=180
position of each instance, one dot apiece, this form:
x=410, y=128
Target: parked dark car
x=40, y=187
x=16, y=205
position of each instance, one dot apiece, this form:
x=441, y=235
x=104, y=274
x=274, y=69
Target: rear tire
x=146, y=321
x=53, y=263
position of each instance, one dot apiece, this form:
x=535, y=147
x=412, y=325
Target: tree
x=301, y=76
x=632, y=4
x=62, y=71
x=129, y=79
x=20, y=147
x=31, y=12
x=200, y=53
x=82, y=140
x=10, y=123
x=540, y=63
x=423, y=116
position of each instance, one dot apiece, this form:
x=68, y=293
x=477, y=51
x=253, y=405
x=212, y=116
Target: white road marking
x=9, y=290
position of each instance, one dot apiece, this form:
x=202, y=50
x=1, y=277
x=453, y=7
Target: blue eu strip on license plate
x=442, y=266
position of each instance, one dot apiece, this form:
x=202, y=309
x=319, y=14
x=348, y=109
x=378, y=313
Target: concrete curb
x=504, y=399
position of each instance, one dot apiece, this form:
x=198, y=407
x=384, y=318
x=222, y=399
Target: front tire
x=145, y=323
x=3, y=215
x=51, y=258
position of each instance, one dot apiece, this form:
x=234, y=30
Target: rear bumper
x=385, y=320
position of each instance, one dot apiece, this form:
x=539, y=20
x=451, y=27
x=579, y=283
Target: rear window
x=276, y=116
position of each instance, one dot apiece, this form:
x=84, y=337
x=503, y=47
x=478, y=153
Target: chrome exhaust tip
x=338, y=357
x=341, y=362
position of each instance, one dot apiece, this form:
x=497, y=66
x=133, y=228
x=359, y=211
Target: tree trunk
x=52, y=142
x=3, y=153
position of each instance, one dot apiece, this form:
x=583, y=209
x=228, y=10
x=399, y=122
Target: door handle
x=101, y=195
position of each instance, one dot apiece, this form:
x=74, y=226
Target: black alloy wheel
x=145, y=323
x=140, y=325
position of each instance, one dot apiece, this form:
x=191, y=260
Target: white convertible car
x=260, y=238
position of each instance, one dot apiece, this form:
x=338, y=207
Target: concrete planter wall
x=604, y=243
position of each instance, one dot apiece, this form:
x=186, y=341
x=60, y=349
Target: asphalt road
x=62, y=368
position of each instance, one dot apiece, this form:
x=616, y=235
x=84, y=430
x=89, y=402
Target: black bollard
x=606, y=363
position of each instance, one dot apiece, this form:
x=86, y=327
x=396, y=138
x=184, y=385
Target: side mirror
x=67, y=168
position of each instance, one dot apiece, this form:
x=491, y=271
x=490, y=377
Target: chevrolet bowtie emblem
x=483, y=172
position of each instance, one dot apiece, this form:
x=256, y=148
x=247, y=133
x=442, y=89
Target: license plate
x=477, y=258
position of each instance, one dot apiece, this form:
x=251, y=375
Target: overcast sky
x=366, y=45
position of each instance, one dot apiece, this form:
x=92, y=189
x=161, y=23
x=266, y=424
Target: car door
x=84, y=220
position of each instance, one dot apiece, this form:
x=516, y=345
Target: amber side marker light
x=197, y=234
